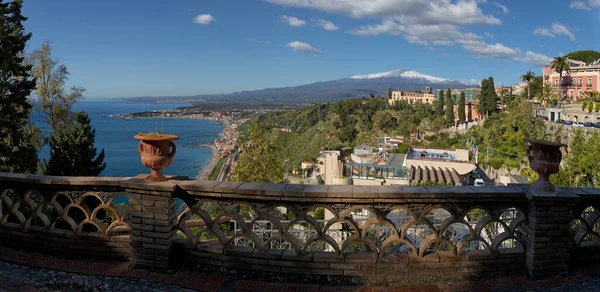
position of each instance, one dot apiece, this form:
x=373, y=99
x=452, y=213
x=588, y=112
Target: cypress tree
x=449, y=108
x=17, y=146
x=491, y=96
x=72, y=150
x=461, y=108
x=439, y=106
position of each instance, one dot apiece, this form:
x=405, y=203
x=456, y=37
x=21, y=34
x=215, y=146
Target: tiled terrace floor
x=22, y=271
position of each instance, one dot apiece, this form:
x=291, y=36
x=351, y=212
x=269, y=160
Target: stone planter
x=544, y=158
x=156, y=151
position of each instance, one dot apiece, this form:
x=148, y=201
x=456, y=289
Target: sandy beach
x=208, y=168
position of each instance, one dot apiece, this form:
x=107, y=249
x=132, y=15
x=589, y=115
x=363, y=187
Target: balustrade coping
x=302, y=193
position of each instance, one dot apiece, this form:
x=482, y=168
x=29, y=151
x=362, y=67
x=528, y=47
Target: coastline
x=210, y=165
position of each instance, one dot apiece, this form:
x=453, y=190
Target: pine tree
x=439, y=105
x=260, y=160
x=17, y=146
x=72, y=150
x=449, y=108
x=461, y=108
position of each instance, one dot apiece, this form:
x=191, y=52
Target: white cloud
x=386, y=27
x=259, y=41
x=557, y=29
x=581, y=5
x=326, y=25
x=292, y=21
x=535, y=59
x=504, y=8
x=303, y=47
x=542, y=31
x=483, y=49
x=463, y=12
x=204, y=19
x=489, y=35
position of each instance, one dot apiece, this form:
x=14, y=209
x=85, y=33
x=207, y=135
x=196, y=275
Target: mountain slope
x=355, y=86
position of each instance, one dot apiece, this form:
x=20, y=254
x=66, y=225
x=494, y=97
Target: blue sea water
x=115, y=136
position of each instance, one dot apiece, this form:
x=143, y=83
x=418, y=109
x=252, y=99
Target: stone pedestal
x=152, y=216
x=548, y=237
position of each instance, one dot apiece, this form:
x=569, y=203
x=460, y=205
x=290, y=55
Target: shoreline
x=207, y=169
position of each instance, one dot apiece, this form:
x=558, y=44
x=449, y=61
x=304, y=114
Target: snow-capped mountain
x=355, y=86
x=406, y=73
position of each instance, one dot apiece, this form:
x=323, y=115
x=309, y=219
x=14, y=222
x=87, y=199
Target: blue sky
x=117, y=48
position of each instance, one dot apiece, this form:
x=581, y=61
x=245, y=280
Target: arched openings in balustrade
x=585, y=229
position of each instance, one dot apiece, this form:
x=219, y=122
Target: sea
x=115, y=136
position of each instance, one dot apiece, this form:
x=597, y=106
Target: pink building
x=582, y=78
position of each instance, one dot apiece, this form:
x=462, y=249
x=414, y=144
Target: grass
x=215, y=172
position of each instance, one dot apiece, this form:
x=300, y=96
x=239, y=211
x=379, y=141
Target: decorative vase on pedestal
x=156, y=151
x=544, y=158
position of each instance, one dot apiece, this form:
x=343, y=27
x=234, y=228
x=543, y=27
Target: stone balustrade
x=388, y=231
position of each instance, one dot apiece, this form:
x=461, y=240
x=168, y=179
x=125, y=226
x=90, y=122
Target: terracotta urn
x=157, y=151
x=544, y=158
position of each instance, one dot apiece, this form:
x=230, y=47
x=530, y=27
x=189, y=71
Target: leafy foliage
x=260, y=158
x=439, y=105
x=487, y=97
x=528, y=77
x=55, y=104
x=72, y=150
x=581, y=167
x=503, y=133
x=344, y=123
x=587, y=56
x=17, y=143
x=449, y=108
x=461, y=108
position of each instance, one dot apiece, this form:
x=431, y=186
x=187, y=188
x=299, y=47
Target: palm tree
x=561, y=64
x=527, y=77
x=591, y=102
x=547, y=95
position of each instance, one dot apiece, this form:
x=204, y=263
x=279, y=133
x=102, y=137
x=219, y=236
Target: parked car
x=596, y=125
x=588, y=124
x=577, y=124
x=559, y=121
x=568, y=123
x=478, y=182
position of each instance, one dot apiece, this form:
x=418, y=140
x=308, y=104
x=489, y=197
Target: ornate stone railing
x=71, y=216
x=387, y=231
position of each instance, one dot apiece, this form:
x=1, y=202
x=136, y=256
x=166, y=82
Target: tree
x=260, y=160
x=592, y=97
x=439, y=105
x=535, y=86
x=587, y=56
x=72, y=150
x=491, y=96
x=547, y=95
x=17, y=146
x=389, y=93
x=487, y=96
x=449, y=108
x=54, y=102
x=528, y=77
x=461, y=108
x=560, y=64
